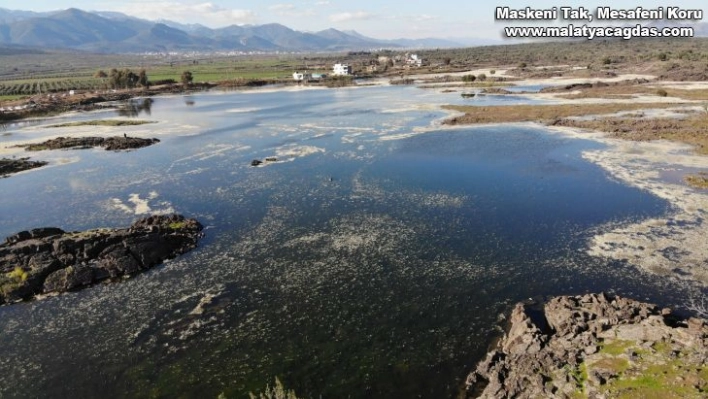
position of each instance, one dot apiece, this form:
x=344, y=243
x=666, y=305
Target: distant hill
x=8, y=49
x=7, y=16
x=113, y=32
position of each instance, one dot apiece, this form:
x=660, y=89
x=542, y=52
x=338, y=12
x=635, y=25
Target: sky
x=390, y=19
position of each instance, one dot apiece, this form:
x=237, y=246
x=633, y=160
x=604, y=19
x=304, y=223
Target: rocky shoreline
x=50, y=260
x=595, y=346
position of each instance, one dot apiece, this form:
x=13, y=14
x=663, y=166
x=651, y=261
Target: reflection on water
x=133, y=108
x=368, y=261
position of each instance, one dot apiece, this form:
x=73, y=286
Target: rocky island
x=115, y=143
x=595, y=346
x=50, y=260
x=11, y=166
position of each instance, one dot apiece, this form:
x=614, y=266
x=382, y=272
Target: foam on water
x=673, y=245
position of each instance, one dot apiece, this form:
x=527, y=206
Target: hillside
x=112, y=32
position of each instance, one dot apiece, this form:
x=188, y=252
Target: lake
x=374, y=259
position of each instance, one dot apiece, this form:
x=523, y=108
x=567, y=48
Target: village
x=370, y=67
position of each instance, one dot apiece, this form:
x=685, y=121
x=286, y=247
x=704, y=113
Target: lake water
x=371, y=261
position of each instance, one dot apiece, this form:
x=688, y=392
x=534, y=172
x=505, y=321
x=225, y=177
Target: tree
x=100, y=74
x=143, y=79
x=186, y=78
x=114, y=78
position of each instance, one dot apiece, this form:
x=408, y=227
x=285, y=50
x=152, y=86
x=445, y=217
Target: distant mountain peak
x=108, y=31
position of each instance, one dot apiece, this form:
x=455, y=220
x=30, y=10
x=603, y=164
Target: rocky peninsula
x=595, y=346
x=50, y=260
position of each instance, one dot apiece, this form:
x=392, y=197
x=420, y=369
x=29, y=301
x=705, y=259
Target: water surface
x=372, y=261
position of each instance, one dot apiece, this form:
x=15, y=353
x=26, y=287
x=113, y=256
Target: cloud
x=322, y=3
x=289, y=10
x=424, y=17
x=206, y=13
x=281, y=7
x=351, y=16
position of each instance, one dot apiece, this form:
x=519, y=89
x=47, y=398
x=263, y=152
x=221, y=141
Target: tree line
x=127, y=79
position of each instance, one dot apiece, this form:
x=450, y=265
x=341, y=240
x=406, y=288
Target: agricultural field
x=32, y=74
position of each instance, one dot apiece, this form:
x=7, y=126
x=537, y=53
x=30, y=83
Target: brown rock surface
x=595, y=346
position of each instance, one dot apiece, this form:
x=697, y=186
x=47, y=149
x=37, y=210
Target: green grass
x=177, y=225
x=11, y=97
x=18, y=275
x=654, y=375
x=616, y=348
x=12, y=280
x=103, y=122
x=66, y=74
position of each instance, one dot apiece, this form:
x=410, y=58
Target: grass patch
x=656, y=383
x=691, y=130
x=12, y=280
x=539, y=113
x=103, y=122
x=18, y=275
x=630, y=91
x=339, y=81
x=656, y=374
x=699, y=180
x=177, y=225
x=12, y=97
x=615, y=365
x=276, y=392
x=616, y=348
x=428, y=84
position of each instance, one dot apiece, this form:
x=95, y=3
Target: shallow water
x=372, y=260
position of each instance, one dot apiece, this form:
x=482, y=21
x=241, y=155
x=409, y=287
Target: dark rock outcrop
x=50, y=260
x=594, y=346
x=10, y=166
x=115, y=143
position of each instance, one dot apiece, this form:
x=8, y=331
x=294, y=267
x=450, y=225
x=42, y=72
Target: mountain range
x=113, y=32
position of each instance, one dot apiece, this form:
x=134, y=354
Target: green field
x=31, y=74
x=59, y=71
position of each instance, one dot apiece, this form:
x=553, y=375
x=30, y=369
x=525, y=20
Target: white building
x=413, y=59
x=342, y=70
x=300, y=76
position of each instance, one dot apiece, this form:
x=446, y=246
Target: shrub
x=18, y=274
x=661, y=93
x=338, y=81
x=277, y=392
x=403, y=81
